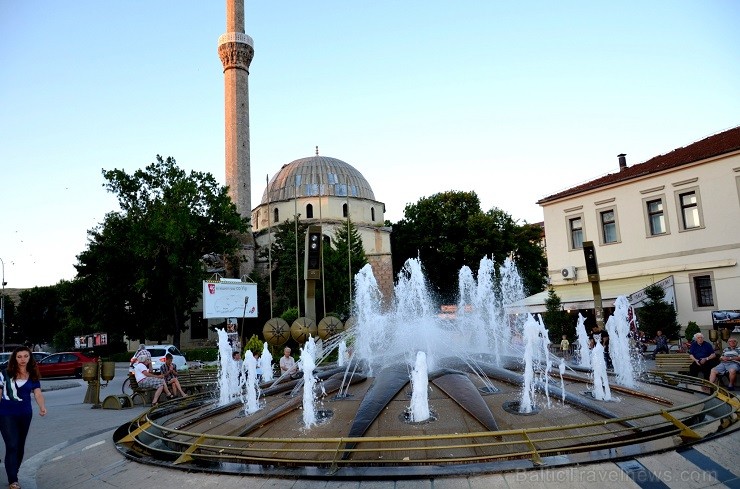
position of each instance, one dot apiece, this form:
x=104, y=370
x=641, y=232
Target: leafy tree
x=342, y=259
x=40, y=315
x=449, y=230
x=142, y=270
x=558, y=321
x=284, y=271
x=656, y=314
x=9, y=319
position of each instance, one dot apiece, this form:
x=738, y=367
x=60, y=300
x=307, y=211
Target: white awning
x=580, y=295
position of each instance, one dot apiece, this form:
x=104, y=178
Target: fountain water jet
x=266, y=363
x=583, y=350
x=419, y=409
x=307, y=365
x=228, y=371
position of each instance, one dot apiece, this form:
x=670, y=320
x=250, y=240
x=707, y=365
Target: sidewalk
x=94, y=462
x=88, y=459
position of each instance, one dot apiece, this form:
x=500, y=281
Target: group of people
x=705, y=360
x=165, y=381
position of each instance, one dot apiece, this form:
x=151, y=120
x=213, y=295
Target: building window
x=276, y=215
x=309, y=211
x=656, y=217
x=688, y=203
x=702, y=291
x=344, y=210
x=608, y=222
x=575, y=226
x=372, y=214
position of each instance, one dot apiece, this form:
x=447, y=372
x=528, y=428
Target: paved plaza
x=72, y=447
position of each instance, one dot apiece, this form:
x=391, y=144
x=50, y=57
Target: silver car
x=158, y=353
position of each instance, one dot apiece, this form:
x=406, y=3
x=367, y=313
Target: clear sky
x=514, y=100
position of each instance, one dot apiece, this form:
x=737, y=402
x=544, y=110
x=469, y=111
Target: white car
x=158, y=353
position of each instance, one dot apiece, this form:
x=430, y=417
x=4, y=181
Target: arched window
x=276, y=215
x=344, y=210
x=372, y=213
x=309, y=211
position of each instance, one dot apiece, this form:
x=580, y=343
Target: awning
x=580, y=295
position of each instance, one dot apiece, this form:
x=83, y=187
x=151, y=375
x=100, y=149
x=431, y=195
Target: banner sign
x=726, y=318
x=229, y=299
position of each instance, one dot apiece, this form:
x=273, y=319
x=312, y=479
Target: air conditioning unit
x=568, y=273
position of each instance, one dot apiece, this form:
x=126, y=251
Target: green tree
x=284, y=272
x=40, y=315
x=343, y=259
x=143, y=265
x=655, y=314
x=557, y=320
x=449, y=230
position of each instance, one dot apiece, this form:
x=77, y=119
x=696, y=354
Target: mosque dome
x=314, y=176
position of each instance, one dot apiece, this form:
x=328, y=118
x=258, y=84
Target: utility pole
x=2, y=302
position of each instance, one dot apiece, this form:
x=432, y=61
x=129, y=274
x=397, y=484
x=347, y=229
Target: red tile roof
x=718, y=144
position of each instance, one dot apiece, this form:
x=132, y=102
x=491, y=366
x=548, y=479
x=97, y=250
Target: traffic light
x=313, y=252
x=592, y=267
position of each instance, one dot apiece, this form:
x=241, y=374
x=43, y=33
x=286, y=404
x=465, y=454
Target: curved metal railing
x=146, y=434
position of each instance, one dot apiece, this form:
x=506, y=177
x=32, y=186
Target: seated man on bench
x=703, y=358
x=729, y=364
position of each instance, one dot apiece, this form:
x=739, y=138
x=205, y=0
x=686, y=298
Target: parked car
x=158, y=353
x=40, y=355
x=64, y=364
x=4, y=358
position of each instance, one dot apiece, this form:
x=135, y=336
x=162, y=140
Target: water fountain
x=419, y=409
x=474, y=372
x=266, y=363
x=584, y=352
x=307, y=364
x=228, y=370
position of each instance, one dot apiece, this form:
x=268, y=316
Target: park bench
x=191, y=382
x=672, y=362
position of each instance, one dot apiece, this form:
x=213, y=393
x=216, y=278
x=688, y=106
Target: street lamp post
x=2, y=303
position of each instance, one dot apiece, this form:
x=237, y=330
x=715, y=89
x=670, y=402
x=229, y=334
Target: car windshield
x=157, y=352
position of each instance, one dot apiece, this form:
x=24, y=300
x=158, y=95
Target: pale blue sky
x=515, y=100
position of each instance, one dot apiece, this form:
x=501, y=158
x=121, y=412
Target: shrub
x=691, y=329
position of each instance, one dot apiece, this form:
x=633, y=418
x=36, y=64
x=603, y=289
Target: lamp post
x=2, y=302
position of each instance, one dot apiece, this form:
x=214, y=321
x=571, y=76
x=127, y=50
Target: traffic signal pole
x=312, y=268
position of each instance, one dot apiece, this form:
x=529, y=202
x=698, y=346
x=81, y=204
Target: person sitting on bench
x=703, y=358
x=729, y=364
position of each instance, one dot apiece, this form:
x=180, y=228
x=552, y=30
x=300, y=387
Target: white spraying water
x=583, y=349
x=251, y=393
x=561, y=368
x=228, y=371
x=601, y=380
x=419, y=384
x=342, y=354
x=536, y=359
x=307, y=363
x=266, y=363
x=618, y=327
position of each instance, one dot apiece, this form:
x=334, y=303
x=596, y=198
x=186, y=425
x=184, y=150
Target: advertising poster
x=229, y=299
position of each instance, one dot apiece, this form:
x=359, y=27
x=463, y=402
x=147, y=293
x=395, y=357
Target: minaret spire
x=236, y=50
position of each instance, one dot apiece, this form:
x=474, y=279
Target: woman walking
x=18, y=382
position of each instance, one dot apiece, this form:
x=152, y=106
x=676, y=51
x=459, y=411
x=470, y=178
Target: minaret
x=236, y=50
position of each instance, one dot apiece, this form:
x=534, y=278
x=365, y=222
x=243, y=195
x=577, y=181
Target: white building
x=674, y=219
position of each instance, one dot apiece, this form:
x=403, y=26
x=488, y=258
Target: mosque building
x=326, y=191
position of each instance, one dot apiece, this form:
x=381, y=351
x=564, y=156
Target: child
x=565, y=347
